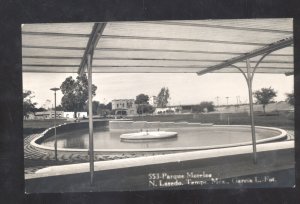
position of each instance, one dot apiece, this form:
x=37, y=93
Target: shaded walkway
x=275, y=161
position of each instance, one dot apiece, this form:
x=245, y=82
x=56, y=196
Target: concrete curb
x=282, y=135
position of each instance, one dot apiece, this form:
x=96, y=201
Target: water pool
x=188, y=137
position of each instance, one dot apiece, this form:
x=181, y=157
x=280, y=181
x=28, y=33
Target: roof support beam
x=142, y=38
x=181, y=51
x=52, y=47
x=144, y=59
x=267, y=49
x=55, y=34
x=95, y=35
x=144, y=50
x=181, y=40
x=132, y=66
x=203, y=25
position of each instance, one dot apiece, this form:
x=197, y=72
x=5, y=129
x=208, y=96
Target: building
x=124, y=107
x=48, y=114
x=72, y=115
x=42, y=115
x=168, y=110
x=153, y=101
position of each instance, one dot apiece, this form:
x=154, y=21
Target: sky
x=185, y=88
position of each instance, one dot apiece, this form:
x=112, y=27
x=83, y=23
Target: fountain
x=147, y=135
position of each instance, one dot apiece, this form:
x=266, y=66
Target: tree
x=142, y=99
x=108, y=106
x=59, y=108
x=204, y=106
x=207, y=105
x=106, y=110
x=47, y=104
x=163, y=97
x=265, y=96
x=145, y=108
x=96, y=107
x=290, y=98
x=75, y=93
x=99, y=108
x=103, y=110
x=41, y=109
x=28, y=105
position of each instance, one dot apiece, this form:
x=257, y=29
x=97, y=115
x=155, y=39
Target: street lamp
x=55, y=143
x=227, y=100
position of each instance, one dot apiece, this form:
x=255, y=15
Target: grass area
x=36, y=126
x=42, y=123
x=284, y=120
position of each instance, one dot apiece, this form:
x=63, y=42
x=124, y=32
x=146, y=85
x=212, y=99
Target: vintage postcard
x=158, y=105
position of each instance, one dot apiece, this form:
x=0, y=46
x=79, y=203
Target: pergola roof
x=158, y=47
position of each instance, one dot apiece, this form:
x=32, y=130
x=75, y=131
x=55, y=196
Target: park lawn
x=37, y=126
x=42, y=123
x=284, y=120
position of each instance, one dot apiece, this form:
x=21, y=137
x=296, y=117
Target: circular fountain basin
x=188, y=138
x=148, y=135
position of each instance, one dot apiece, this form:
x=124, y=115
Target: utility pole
x=217, y=100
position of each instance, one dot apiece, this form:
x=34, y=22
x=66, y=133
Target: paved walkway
x=35, y=159
x=137, y=173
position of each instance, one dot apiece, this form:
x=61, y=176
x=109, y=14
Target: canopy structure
x=158, y=47
x=198, y=46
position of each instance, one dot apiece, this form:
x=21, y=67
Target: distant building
x=153, y=101
x=72, y=115
x=168, y=110
x=124, y=107
x=51, y=115
x=48, y=114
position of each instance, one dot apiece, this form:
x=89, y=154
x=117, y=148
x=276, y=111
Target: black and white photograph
x=158, y=105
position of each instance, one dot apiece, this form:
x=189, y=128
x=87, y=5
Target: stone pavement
x=36, y=158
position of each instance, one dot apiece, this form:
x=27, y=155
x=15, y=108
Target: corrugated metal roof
x=160, y=46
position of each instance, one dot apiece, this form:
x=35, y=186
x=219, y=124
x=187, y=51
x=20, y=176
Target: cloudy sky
x=184, y=88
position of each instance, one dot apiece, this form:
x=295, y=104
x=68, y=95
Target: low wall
x=66, y=127
x=133, y=174
x=137, y=125
x=111, y=154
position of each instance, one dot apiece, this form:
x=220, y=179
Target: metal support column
x=55, y=126
x=91, y=138
x=249, y=83
x=264, y=51
x=87, y=62
x=249, y=80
